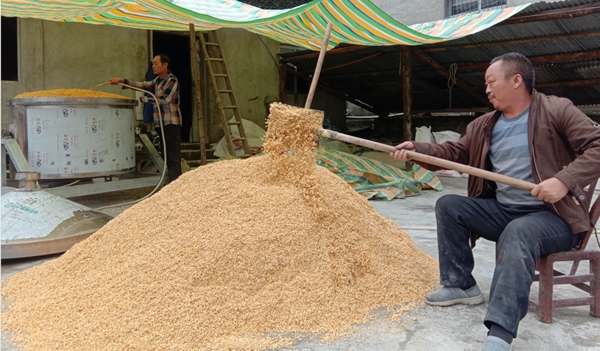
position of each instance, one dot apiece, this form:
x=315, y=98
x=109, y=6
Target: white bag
x=424, y=135
x=254, y=135
x=446, y=135
x=442, y=137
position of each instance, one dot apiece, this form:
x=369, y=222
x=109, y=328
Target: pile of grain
x=237, y=255
x=69, y=93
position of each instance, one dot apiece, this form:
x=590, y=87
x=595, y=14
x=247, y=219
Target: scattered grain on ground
x=236, y=255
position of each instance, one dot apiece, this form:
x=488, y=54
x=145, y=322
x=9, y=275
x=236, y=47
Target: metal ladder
x=227, y=109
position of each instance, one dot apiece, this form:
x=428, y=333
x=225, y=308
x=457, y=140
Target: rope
x=451, y=82
x=452, y=75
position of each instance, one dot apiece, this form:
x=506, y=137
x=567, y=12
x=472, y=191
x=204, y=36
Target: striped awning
x=357, y=22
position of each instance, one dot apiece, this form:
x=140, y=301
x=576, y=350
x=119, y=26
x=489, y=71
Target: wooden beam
x=442, y=113
x=314, y=55
x=392, y=94
x=282, y=74
x=556, y=14
x=571, y=83
x=455, y=111
x=590, y=54
x=353, y=62
x=373, y=76
x=479, y=95
x=334, y=92
x=578, y=102
x=566, y=83
x=353, y=48
x=364, y=74
x=198, y=95
x=511, y=42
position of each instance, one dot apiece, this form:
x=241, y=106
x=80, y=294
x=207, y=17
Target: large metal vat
x=75, y=137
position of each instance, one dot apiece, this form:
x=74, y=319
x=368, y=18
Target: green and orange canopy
x=357, y=22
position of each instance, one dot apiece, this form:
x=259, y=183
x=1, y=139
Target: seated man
x=537, y=138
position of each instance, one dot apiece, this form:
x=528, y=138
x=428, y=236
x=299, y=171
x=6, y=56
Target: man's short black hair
x=165, y=59
x=516, y=63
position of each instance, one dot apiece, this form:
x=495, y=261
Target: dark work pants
x=522, y=234
x=173, y=145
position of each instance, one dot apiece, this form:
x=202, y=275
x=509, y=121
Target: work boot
x=448, y=296
x=493, y=343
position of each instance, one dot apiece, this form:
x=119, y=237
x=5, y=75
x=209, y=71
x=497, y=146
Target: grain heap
x=69, y=93
x=237, y=255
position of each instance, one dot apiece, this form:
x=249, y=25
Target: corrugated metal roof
x=372, y=74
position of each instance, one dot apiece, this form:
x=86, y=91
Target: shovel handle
x=315, y=79
x=445, y=164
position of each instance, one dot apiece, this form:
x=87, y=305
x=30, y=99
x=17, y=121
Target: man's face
x=498, y=88
x=158, y=67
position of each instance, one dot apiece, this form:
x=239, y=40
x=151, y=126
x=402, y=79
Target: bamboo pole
x=445, y=164
x=315, y=79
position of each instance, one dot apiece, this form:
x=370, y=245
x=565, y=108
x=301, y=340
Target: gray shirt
x=509, y=154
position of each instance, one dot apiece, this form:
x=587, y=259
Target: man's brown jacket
x=563, y=143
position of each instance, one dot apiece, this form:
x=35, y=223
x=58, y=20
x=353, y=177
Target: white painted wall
x=512, y=3
x=413, y=12
x=252, y=63
x=55, y=55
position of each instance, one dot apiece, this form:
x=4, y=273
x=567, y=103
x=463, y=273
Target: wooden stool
x=588, y=282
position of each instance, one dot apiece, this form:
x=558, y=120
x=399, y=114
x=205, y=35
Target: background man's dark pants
x=173, y=144
x=523, y=234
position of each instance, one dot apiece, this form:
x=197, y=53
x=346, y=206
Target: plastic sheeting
x=357, y=22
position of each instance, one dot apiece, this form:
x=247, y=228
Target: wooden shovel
x=445, y=164
x=517, y=183
x=315, y=78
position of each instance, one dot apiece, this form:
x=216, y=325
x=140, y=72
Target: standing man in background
x=166, y=89
x=533, y=137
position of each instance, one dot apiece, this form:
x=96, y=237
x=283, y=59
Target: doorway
x=177, y=47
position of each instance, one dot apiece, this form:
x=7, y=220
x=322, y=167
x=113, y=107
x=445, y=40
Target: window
x=462, y=6
x=10, y=61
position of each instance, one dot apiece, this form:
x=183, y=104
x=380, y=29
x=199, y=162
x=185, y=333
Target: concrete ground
x=456, y=328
